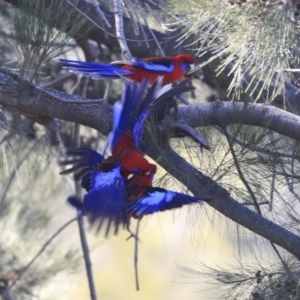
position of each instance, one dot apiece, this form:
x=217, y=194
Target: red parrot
x=136, y=107
x=105, y=198
x=171, y=68
x=143, y=199
x=126, y=114
x=154, y=110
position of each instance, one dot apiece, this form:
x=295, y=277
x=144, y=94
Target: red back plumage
x=132, y=161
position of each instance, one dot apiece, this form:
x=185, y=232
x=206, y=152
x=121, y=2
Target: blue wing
x=87, y=161
x=127, y=112
x=105, y=201
x=162, y=65
x=94, y=70
x=158, y=106
x=134, y=102
x=76, y=203
x=157, y=199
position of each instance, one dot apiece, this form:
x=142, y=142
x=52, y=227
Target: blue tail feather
x=157, y=108
x=94, y=70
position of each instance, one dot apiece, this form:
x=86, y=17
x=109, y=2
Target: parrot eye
x=147, y=173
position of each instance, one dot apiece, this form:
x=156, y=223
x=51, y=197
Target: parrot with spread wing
x=171, y=68
x=106, y=180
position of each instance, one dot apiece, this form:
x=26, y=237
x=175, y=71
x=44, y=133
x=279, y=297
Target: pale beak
x=190, y=70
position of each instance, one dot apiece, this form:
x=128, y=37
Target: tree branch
x=227, y=113
x=30, y=100
x=199, y=184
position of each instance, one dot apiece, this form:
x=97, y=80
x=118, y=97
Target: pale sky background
x=167, y=239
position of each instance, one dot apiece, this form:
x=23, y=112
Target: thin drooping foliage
x=262, y=280
x=33, y=37
x=256, y=43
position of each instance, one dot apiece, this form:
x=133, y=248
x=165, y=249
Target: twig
x=280, y=257
x=253, y=148
x=101, y=14
x=85, y=250
x=107, y=90
x=137, y=285
x=87, y=17
x=287, y=175
x=260, y=203
x=131, y=17
x=59, y=80
x=101, y=17
x=87, y=259
x=142, y=27
x=158, y=19
x=155, y=38
x=48, y=242
x=272, y=187
x=101, y=28
x=76, y=86
x=201, y=156
x=120, y=30
x=83, y=240
x=241, y=175
x=78, y=191
x=284, y=173
x=51, y=124
x=3, y=118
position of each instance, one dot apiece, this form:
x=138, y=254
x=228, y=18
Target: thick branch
x=226, y=113
x=27, y=99
x=35, y=101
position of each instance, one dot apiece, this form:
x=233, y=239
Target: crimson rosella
x=154, y=110
x=105, y=198
x=171, y=68
x=137, y=105
x=144, y=199
x=126, y=114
